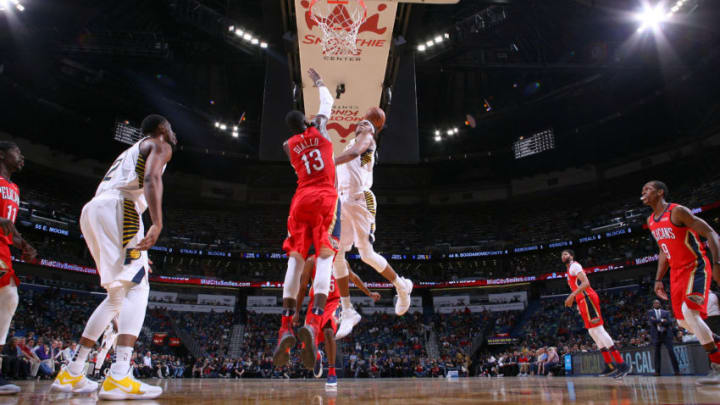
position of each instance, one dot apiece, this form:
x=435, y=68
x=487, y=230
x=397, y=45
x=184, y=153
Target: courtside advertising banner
x=362, y=73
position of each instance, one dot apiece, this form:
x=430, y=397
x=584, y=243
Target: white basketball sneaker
x=713, y=376
x=68, y=382
x=403, y=302
x=6, y=388
x=119, y=387
x=348, y=319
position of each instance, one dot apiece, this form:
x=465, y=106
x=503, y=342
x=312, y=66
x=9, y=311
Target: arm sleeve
x=326, y=101
x=575, y=269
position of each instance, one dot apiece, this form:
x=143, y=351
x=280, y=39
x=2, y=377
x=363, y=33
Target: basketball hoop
x=340, y=21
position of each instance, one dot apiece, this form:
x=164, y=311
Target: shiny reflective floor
x=526, y=391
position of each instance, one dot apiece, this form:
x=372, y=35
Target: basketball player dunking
x=328, y=322
x=11, y=161
x=588, y=304
x=313, y=221
x=355, y=179
x=677, y=232
x=112, y=226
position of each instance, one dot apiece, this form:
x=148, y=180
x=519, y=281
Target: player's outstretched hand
x=150, y=238
x=569, y=301
x=314, y=76
x=375, y=296
x=660, y=290
x=7, y=226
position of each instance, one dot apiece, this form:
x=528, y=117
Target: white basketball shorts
x=357, y=218
x=112, y=228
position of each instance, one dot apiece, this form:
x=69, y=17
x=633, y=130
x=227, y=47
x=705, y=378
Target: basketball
x=377, y=117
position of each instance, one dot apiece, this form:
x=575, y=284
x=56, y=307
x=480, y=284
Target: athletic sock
x=331, y=371
x=714, y=356
x=399, y=285
x=606, y=356
x=78, y=364
x=616, y=355
x=122, y=360
x=346, y=303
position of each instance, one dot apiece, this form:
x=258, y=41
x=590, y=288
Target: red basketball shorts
x=691, y=286
x=314, y=220
x=588, y=304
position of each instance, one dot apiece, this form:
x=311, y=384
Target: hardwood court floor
x=526, y=391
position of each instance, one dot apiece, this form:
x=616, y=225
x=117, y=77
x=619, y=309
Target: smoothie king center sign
x=362, y=72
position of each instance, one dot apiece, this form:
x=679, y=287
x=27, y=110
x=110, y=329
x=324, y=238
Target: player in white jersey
x=355, y=179
x=112, y=226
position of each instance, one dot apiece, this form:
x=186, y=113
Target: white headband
x=371, y=125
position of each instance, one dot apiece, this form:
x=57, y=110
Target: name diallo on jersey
x=306, y=143
x=663, y=233
x=10, y=194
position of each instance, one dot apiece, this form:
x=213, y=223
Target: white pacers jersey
x=126, y=176
x=356, y=175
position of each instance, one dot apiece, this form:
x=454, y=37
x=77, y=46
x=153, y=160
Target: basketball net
x=340, y=21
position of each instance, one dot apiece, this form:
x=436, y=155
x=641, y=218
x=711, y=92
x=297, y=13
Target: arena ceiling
x=71, y=68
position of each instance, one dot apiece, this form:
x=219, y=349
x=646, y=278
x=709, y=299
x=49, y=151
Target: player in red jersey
x=11, y=161
x=588, y=304
x=677, y=232
x=313, y=221
x=328, y=322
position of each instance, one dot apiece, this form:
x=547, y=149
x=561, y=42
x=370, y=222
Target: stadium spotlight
x=438, y=39
x=447, y=36
x=429, y=43
x=217, y=124
x=231, y=28
x=235, y=128
x=223, y=127
x=239, y=32
x=255, y=41
x=437, y=132
x=421, y=48
x=235, y=134
x=438, y=138
x=263, y=45
x=456, y=130
x=651, y=17
x=247, y=36
x=450, y=132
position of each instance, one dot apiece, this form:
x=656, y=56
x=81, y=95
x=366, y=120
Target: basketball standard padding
x=377, y=117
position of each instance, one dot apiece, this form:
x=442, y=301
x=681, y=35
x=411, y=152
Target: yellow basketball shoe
x=67, y=382
x=127, y=387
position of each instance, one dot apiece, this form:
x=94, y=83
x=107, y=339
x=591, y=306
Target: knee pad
x=107, y=310
x=323, y=270
x=372, y=259
x=292, y=278
x=132, y=314
x=696, y=325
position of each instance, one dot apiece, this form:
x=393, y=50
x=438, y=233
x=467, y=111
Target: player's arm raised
x=362, y=143
x=158, y=156
x=584, y=284
x=681, y=215
x=304, y=281
x=326, y=103
x=361, y=285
